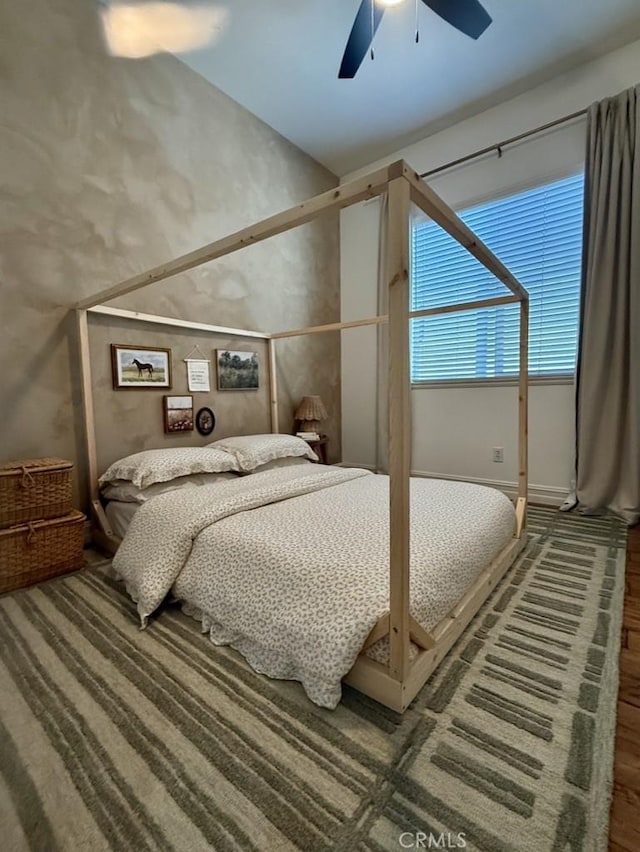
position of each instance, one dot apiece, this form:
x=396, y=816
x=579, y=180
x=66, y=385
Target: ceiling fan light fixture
x=389, y=3
x=136, y=30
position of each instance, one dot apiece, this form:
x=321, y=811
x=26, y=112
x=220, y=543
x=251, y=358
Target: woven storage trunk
x=33, y=489
x=30, y=553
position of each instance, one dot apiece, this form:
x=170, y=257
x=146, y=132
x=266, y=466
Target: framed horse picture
x=134, y=367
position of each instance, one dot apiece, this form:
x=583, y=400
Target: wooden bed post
x=101, y=524
x=523, y=413
x=399, y=425
x=273, y=384
x=87, y=403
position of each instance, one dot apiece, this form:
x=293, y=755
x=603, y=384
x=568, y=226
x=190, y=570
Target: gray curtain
x=608, y=373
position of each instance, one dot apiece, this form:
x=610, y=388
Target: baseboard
x=546, y=495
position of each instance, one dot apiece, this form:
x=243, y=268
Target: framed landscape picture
x=133, y=367
x=237, y=370
x=178, y=413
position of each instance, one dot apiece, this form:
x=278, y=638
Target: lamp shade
x=310, y=412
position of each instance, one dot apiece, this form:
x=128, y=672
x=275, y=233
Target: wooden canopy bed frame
x=396, y=684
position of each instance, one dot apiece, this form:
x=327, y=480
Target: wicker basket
x=34, y=489
x=33, y=552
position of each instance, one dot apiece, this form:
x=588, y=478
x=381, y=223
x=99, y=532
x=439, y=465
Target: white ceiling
x=280, y=60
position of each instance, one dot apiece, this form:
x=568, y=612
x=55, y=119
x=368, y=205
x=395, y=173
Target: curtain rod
x=500, y=145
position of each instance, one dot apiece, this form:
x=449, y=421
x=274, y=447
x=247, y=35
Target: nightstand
x=320, y=448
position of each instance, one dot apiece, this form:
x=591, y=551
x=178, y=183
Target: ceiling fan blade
x=360, y=38
x=468, y=16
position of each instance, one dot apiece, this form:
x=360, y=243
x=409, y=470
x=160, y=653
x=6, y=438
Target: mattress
x=120, y=516
x=293, y=570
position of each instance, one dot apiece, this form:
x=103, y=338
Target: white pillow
x=150, y=466
x=276, y=463
x=127, y=492
x=251, y=451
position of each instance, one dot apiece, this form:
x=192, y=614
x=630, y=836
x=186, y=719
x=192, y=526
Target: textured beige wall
x=130, y=420
x=108, y=167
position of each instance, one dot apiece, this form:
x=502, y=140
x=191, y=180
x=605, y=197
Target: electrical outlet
x=498, y=454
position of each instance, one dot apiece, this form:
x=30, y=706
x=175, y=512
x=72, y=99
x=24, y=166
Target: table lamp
x=310, y=413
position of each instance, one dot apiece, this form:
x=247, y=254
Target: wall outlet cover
x=498, y=454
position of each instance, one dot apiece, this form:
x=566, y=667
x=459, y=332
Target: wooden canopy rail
x=397, y=683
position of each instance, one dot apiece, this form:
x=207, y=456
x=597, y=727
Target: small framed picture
x=237, y=370
x=133, y=367
x=178, y=413
x=205, y=421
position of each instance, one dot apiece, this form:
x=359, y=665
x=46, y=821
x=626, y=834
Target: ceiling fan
x=468, y=16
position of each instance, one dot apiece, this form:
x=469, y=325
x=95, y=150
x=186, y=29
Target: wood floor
x=624, y=830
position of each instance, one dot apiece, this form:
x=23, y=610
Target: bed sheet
x=120, y=516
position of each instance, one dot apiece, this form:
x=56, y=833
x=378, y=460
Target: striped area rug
x=117, y=739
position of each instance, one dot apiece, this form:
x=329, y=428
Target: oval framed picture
x=205, y=421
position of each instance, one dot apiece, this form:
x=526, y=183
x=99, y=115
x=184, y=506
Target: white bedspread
x=291, y=567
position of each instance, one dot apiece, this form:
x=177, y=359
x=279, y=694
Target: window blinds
x=537, y=234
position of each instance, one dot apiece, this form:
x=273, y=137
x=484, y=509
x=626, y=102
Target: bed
x=289, y=565
x=414, y=647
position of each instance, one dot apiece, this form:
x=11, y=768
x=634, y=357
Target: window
x=537, y=234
